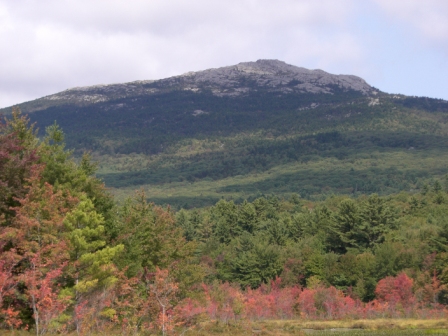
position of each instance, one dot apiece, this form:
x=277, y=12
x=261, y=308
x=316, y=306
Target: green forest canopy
x=70, y=254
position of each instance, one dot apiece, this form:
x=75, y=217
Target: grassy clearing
x=323, y=176
x=353, y=328
x=376, y=327
x=377, y=332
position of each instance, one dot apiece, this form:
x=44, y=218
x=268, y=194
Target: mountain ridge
x=254, y=128
x=273, y=75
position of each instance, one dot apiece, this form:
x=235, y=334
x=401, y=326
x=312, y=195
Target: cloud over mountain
x=52, y=45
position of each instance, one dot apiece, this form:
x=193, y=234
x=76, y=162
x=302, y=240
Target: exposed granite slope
x=273, y=74
x=235, y=80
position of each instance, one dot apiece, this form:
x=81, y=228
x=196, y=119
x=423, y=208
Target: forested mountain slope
x=251, y=129
x=72, y=260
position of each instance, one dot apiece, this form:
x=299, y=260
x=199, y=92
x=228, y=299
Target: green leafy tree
x=346, y=231
x=64, y=173
x=92, y=261
x=378, y=218
x=252, y=262
x=18, y=160
x=247, y=217
x=278, y=230
x=152, y=239
x=224, y=217
x=437, y=186
x=183, y=221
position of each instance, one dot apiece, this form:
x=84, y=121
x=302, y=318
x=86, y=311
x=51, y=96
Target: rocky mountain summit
x=273, y=74
x=254, y=128
x=231, y=81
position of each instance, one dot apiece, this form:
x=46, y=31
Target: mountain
x=253, y=128
x=231, y=81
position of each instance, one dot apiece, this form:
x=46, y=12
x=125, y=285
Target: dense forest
x=192, y=149
x=249, y=131
x=72, y=259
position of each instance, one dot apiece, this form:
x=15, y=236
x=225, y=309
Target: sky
x=47, y=46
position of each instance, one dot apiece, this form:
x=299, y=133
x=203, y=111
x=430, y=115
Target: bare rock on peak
x=235, y=80
x=277, y=75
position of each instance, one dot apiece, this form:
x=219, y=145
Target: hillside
x=250, y=129
x=70, y=255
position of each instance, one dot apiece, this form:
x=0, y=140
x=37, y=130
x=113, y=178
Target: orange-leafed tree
x=163, y=290
x=395, y=289
x=34, y=239
x=9, y=314
x=397, y=293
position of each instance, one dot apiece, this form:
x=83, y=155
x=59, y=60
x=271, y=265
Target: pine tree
x=152, y=239
x=378, y=218
x=346, y=231
x=225, y=221
x=92, y=262
x=18, y=160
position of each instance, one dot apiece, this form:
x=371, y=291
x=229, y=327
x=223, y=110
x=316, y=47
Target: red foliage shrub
x=327, y=303
x=395, y=290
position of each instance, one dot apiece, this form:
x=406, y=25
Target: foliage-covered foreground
x=72, y=261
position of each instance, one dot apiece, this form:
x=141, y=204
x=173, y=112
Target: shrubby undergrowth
x=73, y=260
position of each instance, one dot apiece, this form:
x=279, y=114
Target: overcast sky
x=47, y=46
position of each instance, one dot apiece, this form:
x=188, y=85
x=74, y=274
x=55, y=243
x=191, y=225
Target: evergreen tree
x=224, y=217
x=378, y=218
x=152, y=239
x=92, y=265
x=252, y=262
x=18, y=161
x=346, y=231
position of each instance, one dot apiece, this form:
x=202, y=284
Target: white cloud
x=50, y=45
x=429, y=17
